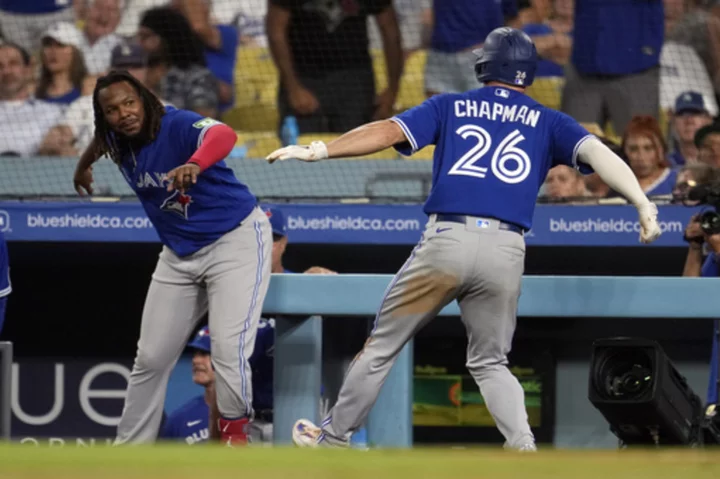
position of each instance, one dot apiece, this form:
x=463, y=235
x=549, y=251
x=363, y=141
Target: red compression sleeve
x=216, y=145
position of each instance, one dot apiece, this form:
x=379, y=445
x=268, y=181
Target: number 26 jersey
x=493, y=150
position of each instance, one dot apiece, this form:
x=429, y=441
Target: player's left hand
x=317, y=150
x=319, y=270
x=182, y=177
x=649, y=227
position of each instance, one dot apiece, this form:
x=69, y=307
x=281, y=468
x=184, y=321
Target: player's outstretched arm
x=363, y=140
x=618, y=176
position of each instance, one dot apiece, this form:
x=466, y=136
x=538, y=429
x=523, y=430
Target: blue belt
x=463, y=219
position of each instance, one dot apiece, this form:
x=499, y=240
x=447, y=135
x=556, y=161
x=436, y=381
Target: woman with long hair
x=63, y=74
x=646, y=151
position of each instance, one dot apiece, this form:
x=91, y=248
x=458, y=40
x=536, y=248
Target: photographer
x=699, y=241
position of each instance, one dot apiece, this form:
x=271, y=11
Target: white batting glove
x=649, y=227
x=317, y=150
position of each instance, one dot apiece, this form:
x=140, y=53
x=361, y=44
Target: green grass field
x=160, y=462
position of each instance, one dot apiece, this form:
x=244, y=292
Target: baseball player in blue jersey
x=493, y=148
x=215, y=255
x=189, y=422
x=5, y=286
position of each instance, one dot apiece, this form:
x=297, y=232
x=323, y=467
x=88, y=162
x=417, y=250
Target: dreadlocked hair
x=107, y=142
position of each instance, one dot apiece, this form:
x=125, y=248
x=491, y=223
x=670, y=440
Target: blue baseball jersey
x=189, y=422
x=215, y=205
x=493, y=149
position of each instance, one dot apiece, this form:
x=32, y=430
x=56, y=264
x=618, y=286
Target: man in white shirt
x=99, y=37
x=24, y=121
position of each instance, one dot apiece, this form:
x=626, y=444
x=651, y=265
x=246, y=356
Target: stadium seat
x=412, y=82
x=547, y=90
x=387, y=154
x=256, y=86
x=424, y=154
x=252, y=117
x=258, y=143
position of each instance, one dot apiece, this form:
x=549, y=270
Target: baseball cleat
x=305, y=433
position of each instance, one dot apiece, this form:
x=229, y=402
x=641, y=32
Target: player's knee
x=486, y=364
x=151, y=362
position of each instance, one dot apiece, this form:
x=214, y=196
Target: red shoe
x=234, y=432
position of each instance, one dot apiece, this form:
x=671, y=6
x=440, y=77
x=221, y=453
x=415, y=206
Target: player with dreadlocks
x=216, y=249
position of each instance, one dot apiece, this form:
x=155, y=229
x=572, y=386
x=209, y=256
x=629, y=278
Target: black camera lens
x=624, y=375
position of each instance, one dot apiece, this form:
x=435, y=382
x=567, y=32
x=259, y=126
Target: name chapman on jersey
x=497, y=112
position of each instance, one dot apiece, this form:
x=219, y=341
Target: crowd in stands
x=644, y=75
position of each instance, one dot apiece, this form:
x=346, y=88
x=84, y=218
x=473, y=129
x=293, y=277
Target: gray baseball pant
x=481, y=267
x=227, y=279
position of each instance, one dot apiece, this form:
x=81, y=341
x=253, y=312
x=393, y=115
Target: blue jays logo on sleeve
x=177, y=203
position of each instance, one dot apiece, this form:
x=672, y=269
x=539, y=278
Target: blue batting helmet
x=201, y=342
x=507, y=56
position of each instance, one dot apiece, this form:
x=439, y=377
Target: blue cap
x=202, y=340
x=690, y=101
x=277, y=221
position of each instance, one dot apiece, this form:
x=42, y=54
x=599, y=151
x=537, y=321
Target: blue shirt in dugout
x=461, y=24
x=189, y=422
x=212, y=207
x=494, y=147
x=617, y=37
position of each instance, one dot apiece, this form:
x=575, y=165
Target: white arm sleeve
x=612, y=169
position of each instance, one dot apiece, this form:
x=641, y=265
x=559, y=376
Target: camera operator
x=699, y=242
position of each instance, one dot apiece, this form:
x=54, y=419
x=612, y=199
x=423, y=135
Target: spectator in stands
x=594, y=184
x=99, y=38
x=690, y=176
x=552, y=37
x=459, y=27
x=566, y=185
x=703, y=260
x=646, y=151
x=689, y=115
x=22, y=22
x=63, y=74
x=689, y=23
x=74, y=130
x=250, y=22
x=415, y=21
x=280, y=240
x=321, y=50
x=221, y=43
x=614, y=72
x=25, y=120
x=176, y=56
x=707, y=141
